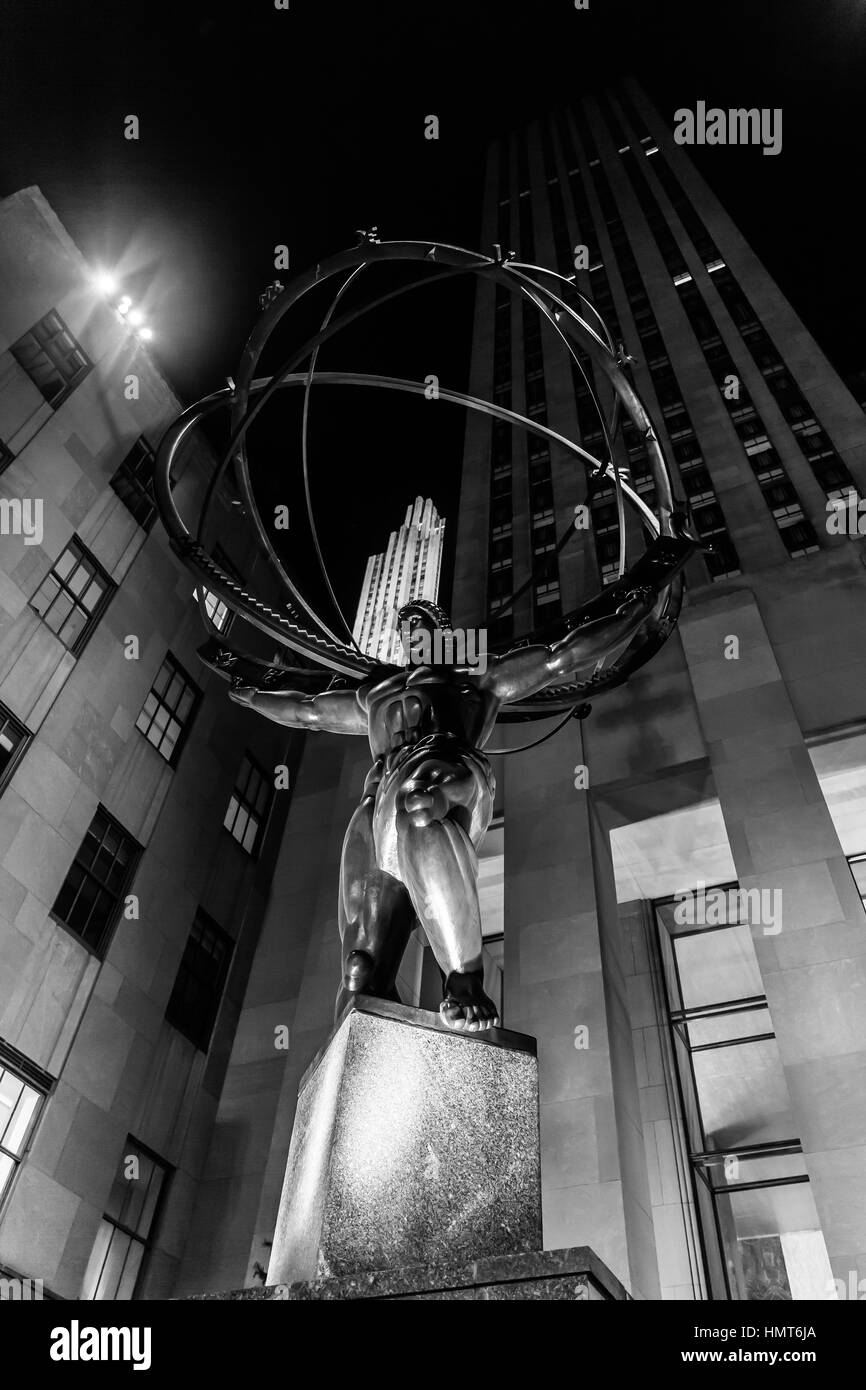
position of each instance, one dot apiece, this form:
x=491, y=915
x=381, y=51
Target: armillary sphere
x=301, y=630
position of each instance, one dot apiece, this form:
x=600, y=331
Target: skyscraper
x=408, y=569
x=702, y=1127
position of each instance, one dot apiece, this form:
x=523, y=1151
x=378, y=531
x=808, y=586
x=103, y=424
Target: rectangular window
x=133, y=483
x=14, y=738
x=249, y=805
x=51, y=358
x=73, y=596
x=92, y=895
x=198, y=988
x=169, y=709
x=23, y=1088
x=125, y=1235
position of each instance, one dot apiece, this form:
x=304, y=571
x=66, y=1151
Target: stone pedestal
x=413, y=1145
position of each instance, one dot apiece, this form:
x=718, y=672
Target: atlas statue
x=411, y=849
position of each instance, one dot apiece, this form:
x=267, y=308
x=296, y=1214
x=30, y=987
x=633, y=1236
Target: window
x=73, y=596
x=169, y=709
x=198, y=988
x=762, y=1239
x=133, y=483
x=91, y=897
x=14, y=738
x=249, y=805
x=22, y=1090
x=51, y=358
x=126, y=1231
x=6, y=456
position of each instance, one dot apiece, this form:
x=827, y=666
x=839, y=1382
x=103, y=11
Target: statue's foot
x=466, y=1007
x=358, y=971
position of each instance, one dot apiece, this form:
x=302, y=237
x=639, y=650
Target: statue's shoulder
x=377, y=677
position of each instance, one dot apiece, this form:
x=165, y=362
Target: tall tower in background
x=408, y=569
x=700, y=1134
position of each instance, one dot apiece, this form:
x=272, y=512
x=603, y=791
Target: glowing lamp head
x=136, y=317
x=145, y=333
x=105, y=282
x=125, y=305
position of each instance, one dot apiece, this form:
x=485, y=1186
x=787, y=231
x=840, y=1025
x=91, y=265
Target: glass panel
x=774, y=1249
x=65, y=564
x=21, y=1118
x=10, y=1093
x=743, y=1095
x=59, y=611
x=74, y=627
x=230, y=813
x=240, y=825
x=126, y=1287
x=112, y=1269
x=91, y=1280
x=741, y=1023
x=7, y=1168
x=78, y=580
x=249, y=839
x=717, y=966
x=93, y=595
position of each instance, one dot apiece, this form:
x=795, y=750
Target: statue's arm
x=332, y=712
x=525, y=672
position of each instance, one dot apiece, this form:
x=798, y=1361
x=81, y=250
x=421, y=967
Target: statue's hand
x=242, y=694
x=635, y=602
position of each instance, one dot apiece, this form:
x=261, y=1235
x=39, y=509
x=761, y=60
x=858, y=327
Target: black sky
x=261, y=127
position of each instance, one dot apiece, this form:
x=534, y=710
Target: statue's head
x=421, y=613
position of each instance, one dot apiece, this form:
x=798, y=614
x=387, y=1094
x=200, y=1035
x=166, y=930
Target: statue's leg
x=375, y=916
x=435, y=808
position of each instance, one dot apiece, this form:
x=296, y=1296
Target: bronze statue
x=410, y=851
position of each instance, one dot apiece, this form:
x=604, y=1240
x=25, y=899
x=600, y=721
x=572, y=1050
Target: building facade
x=138, y=813
x=703, y=1126
x=408, y=569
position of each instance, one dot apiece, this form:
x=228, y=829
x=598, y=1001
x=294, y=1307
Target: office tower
x=408, y=569
x=702, y=1124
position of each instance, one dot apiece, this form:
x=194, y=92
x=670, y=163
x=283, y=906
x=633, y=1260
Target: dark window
x=51, y=358
x=249, y=805
x=198, y=988
x=73, y=596
x=14, y=738
x=6, y=456
x=722, y=561
x=126, y=1231
x=800, y=539
x=133, y=483
x=90, y=900
x=22, y=1091
x=169, y=709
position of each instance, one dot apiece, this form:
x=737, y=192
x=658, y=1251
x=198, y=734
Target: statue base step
x=548, y=1275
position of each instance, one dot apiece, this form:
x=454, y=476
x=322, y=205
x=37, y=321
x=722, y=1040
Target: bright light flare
x=125, y=305
x=105, y=282
x=145, y=333
x=135, y=317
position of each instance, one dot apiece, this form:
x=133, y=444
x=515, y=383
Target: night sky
x=261, y=127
